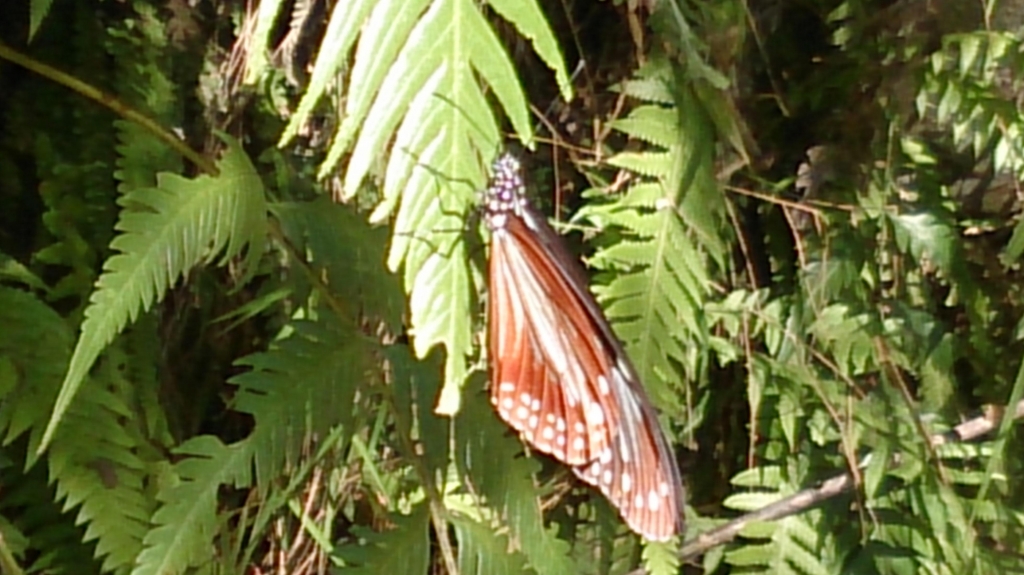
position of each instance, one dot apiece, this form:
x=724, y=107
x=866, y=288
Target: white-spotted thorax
x=505, y=193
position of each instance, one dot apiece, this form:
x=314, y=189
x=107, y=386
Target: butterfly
x=559, y=376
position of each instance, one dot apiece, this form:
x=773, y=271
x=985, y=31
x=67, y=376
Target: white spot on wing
x=578, y=444
x=653, y=500
x=602, y=385
x=638, y=502
x=627, y=482
x=607, y=477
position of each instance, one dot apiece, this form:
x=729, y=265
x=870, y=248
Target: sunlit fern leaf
x=661, y=557
x=187, y=521
x=415, y=111
x=303, y=386
x=403, y=549
x=259, y=44
x=849, y=336
x=165, y=231
x=492, y=463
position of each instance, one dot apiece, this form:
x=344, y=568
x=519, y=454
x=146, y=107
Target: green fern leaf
x=664, y=230
x=37, y=343
x=661, y=558
x=414, y=87
x=492, y=463
x=416, y=384
x=37, y=13
x=258, y=61
x=798, y=544
x=305, y=384
x=94, y=462
x=656, y=303
x=482, y=551
x=166, y=231
x=404, y=549
x=926, y=238
x=14, y=271
x=342, y=31
x=338, y=242
x=187, y=521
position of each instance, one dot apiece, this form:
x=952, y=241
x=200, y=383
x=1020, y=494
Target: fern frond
x=482, y=551
x=166, y=231
x=404, y=549
x=798, y=544
x=260, y=40
x=661, y=558
x=490, y=462
x=36, y=343
x=414, y=88
x=305, y=384
x=95, y=464
x=340, y=245
x=38, y=9
x=51, y=538
x=666, y=228
x=416, y=384
x=187, y=520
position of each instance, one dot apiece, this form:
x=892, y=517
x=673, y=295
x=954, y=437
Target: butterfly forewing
x=547, y=385
x=560, y=377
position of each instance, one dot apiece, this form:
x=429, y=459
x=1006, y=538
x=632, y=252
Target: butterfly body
x=560, y=376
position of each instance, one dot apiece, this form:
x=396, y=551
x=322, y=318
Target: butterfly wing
x=561, y=377
x=547, y=383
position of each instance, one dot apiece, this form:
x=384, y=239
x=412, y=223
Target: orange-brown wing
x=560, y=376
x=548, y=378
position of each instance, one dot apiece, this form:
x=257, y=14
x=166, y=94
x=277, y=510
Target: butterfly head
x=505, y=192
